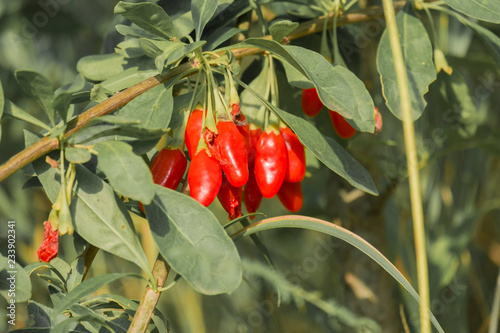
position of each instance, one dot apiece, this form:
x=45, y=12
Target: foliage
x=96, y=188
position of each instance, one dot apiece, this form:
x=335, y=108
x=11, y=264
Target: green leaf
x=130, y=48
x=126, y=172
x=296, y=78
x=219, y=36
x=249, y=100
x=38, y=87
x=102, y=220
x=280, y=29
x=153, y=48
x=134, y=31
x=486, y=10
x=13, y=110
x=338, y=88
x=417, y=52
x=170, y=56
x=325, y=149
x=86, y=288
x=76, y=274
x=63, y=96
x=128, y=78
x=309, y=223
x=202, y=11
x=148, y=16
x=100, y=67
x=77, y=155
x=152, y=109
x=193, y=242
x=15, y=283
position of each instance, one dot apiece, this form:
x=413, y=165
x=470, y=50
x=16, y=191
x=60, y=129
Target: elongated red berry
x=290, y=195
x=168, y=167
x=311, y=104
x=296, y=166
x=252, y=195
x=230, y=146
x=204, y=178
x=230, y=198
x=270, y=162
x=193, y=131
x=50, y=244
x=253, y=137
x=341, y=126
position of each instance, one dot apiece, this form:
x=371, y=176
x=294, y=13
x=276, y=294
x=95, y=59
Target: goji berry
x=311, y=104
x=232, y=151
x=252, y=195
x=290, y=195
x=168, y=167
x=50, y=244
x=253, y=137
x=204, y=177
x=341, y=126
x=193, y=131
x=230, y=198
x=270, y=162
x=296, y=166
x=378, y=121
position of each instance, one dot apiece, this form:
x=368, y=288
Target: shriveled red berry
x=230, y=146
x=311, y=104
x=50, y=244
x=204, y=178
x=296, y=166
x=230, y=198
x=193, y=131
x=252, y=195
x=341, y=126
x=270, y=163
x=290, y=195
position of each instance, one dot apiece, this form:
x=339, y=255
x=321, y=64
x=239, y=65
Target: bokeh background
x=459, y=147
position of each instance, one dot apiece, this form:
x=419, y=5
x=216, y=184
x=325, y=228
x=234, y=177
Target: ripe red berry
x=253, y=138
x=230, y=146
x=290, y=195
x=341, y=126
x=311, y=104
x=204, y=178
x=230, y=198
x=193, y=131
x=252, y=195
x=296, y=166
x=168, y=167
x=270, y=162
x=50, y=244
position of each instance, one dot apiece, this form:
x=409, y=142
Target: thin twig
x=495, y=310
x=46, y=144
x=412, y=166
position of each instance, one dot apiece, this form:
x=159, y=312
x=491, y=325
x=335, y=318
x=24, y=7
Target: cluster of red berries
x=239, y=161
x=312, y=105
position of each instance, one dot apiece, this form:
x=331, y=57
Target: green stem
x=495, y=310
x=412, y=165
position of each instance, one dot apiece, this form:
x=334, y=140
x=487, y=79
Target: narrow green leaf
x=202, y=11
x=102, y=220
x=130, y=48
x=296, y=78
x=153, y=109
x=64, y=95
x=280, y=29
x=134, y=31
x=486, y=10
x=417, y=53
x=153, y=48
x=325, y=149
x=219, y=36
x=13, y=110
x=170, y=56
x=126, y=172
x=148, y=16
x=76, y=274
x=77, y=155
x=38, y=87
x=309, y=223
x=338, y=88
x=86, y=288
x=129, y=77
x=193, y=242
x=100, y=67
x=15, y=283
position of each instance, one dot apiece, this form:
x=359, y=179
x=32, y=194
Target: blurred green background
x=459, y=150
